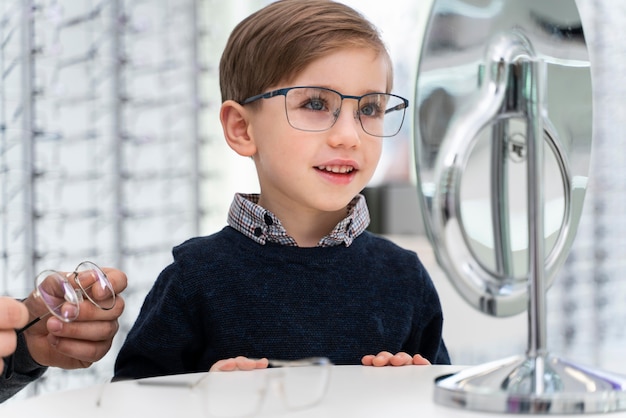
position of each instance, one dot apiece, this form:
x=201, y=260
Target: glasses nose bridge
x=341, y=99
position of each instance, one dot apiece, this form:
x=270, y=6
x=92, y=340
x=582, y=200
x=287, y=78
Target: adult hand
x=385, y=358
x=77, y=344
x=13, y=315
x=239, y=363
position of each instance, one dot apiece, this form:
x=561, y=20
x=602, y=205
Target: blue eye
x=370, y=110
x=315, y=104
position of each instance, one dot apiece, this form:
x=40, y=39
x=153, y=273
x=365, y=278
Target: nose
x=347, y=129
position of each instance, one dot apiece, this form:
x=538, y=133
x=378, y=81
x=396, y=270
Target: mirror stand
x=503, y=134
x=537, y=382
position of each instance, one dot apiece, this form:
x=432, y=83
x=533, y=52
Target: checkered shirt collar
x=261, y=225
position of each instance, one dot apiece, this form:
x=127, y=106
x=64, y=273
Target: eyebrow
x=327, y=86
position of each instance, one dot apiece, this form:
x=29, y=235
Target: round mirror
x=496, y=227
x=471, y=129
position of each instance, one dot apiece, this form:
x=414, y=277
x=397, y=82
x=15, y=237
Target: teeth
x=336, y=169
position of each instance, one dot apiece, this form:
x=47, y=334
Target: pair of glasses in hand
x=62, y=293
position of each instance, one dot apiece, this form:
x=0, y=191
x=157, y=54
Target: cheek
x=373, y=153
x=280, y=158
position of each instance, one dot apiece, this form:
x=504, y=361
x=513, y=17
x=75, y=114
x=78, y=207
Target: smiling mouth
x=337, y=169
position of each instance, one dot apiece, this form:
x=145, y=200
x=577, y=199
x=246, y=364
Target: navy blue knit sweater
x=225, y=295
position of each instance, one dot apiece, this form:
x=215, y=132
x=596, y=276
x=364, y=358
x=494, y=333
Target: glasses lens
x=312, y=109
x=305, y=386
x=58, y=295
x=95, y=285
x=382, y=114
x=232, y=394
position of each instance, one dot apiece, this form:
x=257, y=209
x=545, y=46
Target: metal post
x=196, y=146
x=28, y=144
x=117, y=19
x=532, y=98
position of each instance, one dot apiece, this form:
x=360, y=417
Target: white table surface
x=354, y=391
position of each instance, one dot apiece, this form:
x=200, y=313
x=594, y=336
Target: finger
x=382, y=359
x=90, y=312
x=238, y=363
x=401, y=359
x=117, y=278
x=82, y=330
x=244, y=363
x=13, y=313
x=8, y=342
x=85, y=352
x=225, y=365
x=418, y=360
x=262, y=363
x=367, y=360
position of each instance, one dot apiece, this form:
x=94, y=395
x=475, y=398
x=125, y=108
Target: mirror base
x=532, y=385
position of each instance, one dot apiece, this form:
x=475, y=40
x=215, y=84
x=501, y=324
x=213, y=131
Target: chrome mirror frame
x=507, y=82
x=468, y=87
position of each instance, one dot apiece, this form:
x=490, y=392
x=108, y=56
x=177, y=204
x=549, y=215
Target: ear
x=235, y=123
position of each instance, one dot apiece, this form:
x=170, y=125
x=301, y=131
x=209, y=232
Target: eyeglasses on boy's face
x=316, y=109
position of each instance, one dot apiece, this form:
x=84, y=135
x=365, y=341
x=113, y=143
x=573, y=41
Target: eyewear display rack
x=104, y=150
x=585, y=304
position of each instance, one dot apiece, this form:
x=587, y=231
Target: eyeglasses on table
x=298, y=384
x=286, y=386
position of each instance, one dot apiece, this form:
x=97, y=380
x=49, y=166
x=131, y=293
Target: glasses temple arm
x=396, y=107
x=31, y=323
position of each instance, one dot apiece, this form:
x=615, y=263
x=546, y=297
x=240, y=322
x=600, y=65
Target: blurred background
x=111, y=151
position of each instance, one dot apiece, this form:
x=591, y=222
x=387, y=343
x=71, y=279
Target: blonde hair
x=275, y=43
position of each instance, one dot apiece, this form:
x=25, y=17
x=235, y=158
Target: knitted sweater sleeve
x=164, y=339
x=20, y=373
x=428, y=323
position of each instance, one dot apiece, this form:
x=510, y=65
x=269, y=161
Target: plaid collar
x=261, y=225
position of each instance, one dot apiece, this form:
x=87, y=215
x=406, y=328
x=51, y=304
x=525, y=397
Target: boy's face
x=319, y=171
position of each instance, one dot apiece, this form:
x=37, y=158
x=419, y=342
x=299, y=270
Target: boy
x=305, y=90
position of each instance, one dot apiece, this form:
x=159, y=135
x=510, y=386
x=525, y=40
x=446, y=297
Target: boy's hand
x=385, y=358
x=239, y=363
